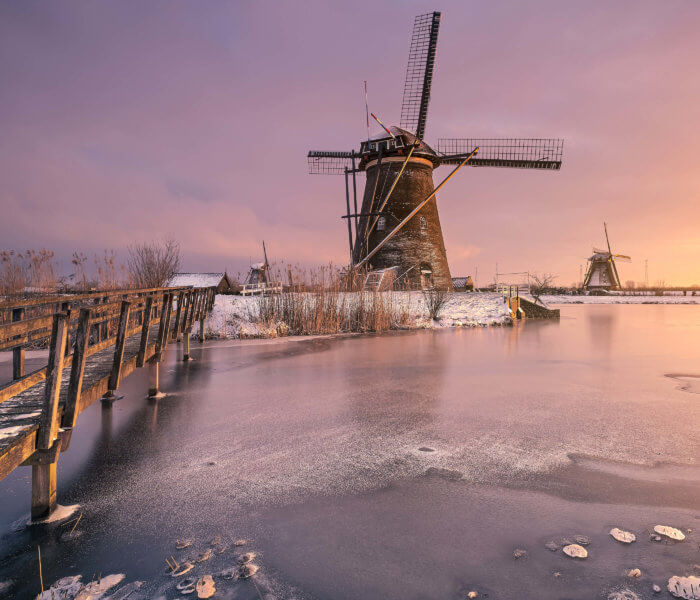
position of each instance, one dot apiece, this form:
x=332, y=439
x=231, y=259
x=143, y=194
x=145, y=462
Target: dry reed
x=319, y=302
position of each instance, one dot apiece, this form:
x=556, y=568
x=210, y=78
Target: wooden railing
x=75, y=328
x=272, y=287
x=28, y=324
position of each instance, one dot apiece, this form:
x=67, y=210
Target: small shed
x=221, y=281
x=463, y=284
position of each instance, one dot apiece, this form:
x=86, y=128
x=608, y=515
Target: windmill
x=398, y=224
x=258, y=279
x=602, y=271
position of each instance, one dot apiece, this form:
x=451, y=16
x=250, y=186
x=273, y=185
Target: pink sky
x=121, y=120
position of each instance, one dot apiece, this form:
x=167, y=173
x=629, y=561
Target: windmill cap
x=399, y=145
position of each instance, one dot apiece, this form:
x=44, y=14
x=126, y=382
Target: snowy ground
x=233, y=316
x=618, y=299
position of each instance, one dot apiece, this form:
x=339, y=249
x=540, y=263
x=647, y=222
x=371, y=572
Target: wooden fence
x=94, y=340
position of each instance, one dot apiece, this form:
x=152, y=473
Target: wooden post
x=18, y=352
x=198, y=306
x=65, y=307
x=186, y=327
x=44, y=472
x=165, y=313
x=48, y=424
x=145, y=325
x=187, y=297
x=168, y=317
x=114, y=376
x=75, y=386
x=176, y=329
x=195, y=307
x=105, y=326
x=191, y=301
x=43, y=490
x=98, y=327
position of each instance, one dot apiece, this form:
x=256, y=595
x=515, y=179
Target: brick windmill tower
x=398, y=226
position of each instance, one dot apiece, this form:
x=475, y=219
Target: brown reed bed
x=327, y=303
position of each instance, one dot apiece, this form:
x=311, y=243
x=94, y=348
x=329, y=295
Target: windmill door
x=426, y=277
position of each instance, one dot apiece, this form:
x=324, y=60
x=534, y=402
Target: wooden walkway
x=111, y=338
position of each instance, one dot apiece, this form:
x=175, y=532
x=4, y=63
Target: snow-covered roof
x=196, y=279
x=461, y=281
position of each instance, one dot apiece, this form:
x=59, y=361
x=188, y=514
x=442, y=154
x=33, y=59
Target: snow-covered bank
x=563, y=299
x=233, y=317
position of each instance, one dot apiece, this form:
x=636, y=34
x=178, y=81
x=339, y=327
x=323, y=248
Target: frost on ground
x=620, y=299
x=235, y=317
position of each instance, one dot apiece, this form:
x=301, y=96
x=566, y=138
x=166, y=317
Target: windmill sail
x=419, y=73
x=514, y=153
x=322, y=162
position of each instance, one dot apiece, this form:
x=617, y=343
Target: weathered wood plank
x=119, y=346
x=9, y=330
x=48, y=424
x=145, y=325
x=21, y=450
x=75, y=384
x=176, y=329
x=18, y=352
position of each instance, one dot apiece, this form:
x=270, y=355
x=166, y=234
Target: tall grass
x=328, y=305
x=329, y=311
x=32, y=270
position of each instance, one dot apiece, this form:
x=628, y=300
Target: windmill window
x=381, y=223
x=423, y=223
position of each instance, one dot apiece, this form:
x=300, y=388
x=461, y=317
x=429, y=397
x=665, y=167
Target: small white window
x=381, y=223
x=423, y=222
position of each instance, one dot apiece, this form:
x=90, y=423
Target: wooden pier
x=94, y=341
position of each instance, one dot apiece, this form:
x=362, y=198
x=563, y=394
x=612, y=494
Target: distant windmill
x=398, y=225
x=602, y=271
x=258, y=279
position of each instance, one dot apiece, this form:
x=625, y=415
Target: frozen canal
x=407, y=465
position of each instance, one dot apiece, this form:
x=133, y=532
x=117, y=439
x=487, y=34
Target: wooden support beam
x=43, y=490
x=200, y=298
x=18, y=352
x=185, y=308
x=190, y=309
x=198, y=306
x=48, y=424
x=163, y=328
x=119, y=347
x=105, y=325
x=164, y=341
x=75, y=386
x=65, y=307
x=191, y=301
x=145, y=325
x=176, y=329
x=202, y=316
